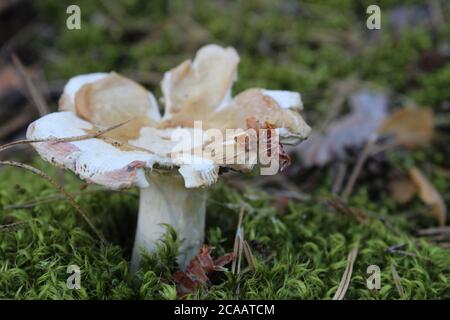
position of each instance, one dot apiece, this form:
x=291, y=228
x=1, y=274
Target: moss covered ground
x=301, y=248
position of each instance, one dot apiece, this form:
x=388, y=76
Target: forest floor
x=303, y=226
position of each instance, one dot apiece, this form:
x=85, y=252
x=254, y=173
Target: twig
x=346, y=277
x=68, y=139
x=438, y=236
x=434, y=231
x=283, y=187
x=357, y=169
x=14, y=225
x=340, y=175
x=343, y=208
x=390, y=226
x=396, y=249
x=61, y=189
x=34, y=94
x=342, y=90
x=382, y=147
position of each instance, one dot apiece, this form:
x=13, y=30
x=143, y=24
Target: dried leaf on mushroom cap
x=200, y=87
x=368, y=111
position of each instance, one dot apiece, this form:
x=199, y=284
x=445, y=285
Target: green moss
x=304, y=252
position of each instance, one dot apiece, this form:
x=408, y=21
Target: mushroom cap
x=194, y=92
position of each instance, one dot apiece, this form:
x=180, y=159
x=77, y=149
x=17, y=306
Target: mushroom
x=145, y=151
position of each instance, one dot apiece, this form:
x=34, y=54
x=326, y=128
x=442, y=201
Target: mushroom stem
x=167, y=201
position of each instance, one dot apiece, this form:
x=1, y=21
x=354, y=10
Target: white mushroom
x=147, y=151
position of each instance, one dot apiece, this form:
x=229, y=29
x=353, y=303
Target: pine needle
x=346, y=277
x=249, y=256
x=396, y=279
x=238, y=244
x=358, y=167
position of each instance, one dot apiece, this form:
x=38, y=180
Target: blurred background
x=378, y=100
x=352, y=79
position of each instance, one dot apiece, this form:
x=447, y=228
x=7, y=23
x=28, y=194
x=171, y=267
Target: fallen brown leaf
x=429, y=195
x=402, y=190
x=196, y=273
x=368, y=111
x=8, y=79
x=411, y=127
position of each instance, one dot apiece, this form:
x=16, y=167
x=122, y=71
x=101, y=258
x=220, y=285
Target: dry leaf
x=429, y=195
x=196, y=273
x=402, y=190
x=346, y=277
x=8, y=79
x=411, y=127
x=368, y=111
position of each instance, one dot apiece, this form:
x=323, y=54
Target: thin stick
x=434, y=231
x=340, y=175
x=346, y=277
x=61, y=189
x=4, y=227
x=343, y=89
x=34, y=94
x=396, y=249
x=357, y=169
x=68, y=139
